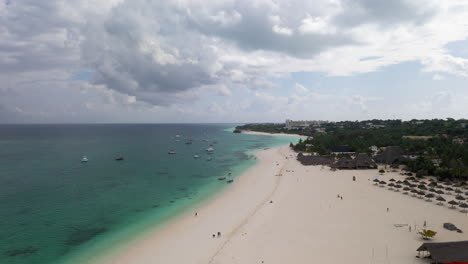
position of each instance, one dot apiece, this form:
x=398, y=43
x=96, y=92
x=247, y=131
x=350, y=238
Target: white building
x=290, y=124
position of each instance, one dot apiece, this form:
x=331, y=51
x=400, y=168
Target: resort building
x=290, y=124
x=341, y=150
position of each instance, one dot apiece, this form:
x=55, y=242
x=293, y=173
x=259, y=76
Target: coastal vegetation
x=427, y=147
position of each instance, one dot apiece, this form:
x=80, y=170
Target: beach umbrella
x=406, y=189
x=460, y=198
x=432, y=190
x=375, y=180
x=439, y=187
x=414, y=192
x=458, y=191
x=406, y=182
x=463, y=206
x=433, y=184
x=440, y=199
x=421, y=194
x=466, y=193
x=399, y=182
x=429, y=196
x=392, y=180
x=422, y=187
x=453, y=203
x=440, y=192
x=391, y=184
x=411, y=178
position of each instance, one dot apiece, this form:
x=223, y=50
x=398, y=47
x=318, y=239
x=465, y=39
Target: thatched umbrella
x=376, y=182
x=406, y=182
x=432, y=190
x=392, y=180
x=422, y=187
x=414, y=192
x=421, y=194
x=453, y=203
x=382, y=183
x=460, y=198
x=429, y=196
x=411, y=178
x=440, y=199
x=391, y=184
x=440, y=192
x=439, y=187
x=399, y=182
x=463, y=206
x=433, y=184
x=458, y=191
x=406, y=189
x=466, y=193
x=448, y=189
x=397, y=187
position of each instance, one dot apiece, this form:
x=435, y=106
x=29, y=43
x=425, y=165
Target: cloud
x=162, y=54
x=437, y=77
x=299, y=88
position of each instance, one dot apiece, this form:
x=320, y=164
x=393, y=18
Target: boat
x=209, y=158
x=84, y=159
x=119, y=158
x=196, y=156
x=172, y=152
x=189, y=142
x=230, y=181
x=221, y=178
x=210, y=149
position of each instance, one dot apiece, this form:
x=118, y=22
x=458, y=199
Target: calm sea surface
x=54, y=207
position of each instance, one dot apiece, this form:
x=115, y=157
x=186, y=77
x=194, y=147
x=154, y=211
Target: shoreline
x=304, y=222
x=272, y=134
x=143, y=247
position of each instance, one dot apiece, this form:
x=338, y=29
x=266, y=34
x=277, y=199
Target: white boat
x=196, y=156
x=209, y=158
x=210, y=149
x=84, y=159
x=172, y=152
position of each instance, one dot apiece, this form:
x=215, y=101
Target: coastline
x=163, y=243
x=272, y=134
x=304, y=222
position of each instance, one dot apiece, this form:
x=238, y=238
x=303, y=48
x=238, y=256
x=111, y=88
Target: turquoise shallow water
x=55, y=209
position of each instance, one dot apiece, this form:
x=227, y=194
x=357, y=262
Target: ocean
x=56, y=209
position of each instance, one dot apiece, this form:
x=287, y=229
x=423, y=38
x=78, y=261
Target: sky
x=203, y=61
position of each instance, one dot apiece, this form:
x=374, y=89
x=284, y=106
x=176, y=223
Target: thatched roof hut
x=446, y=252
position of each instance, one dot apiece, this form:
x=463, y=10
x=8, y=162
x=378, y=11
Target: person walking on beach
x=219, y=234
x=388, y=209
x=409, y=228
x=424, y=223
x=196, y=214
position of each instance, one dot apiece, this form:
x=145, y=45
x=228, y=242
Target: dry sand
x=305, y=223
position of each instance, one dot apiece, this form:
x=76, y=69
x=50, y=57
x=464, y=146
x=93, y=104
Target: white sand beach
x=282, y=212
x=270, y=134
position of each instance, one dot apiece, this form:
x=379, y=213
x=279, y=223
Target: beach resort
x=281, y=211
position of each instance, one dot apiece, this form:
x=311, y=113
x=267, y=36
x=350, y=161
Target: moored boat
x=84, y=159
